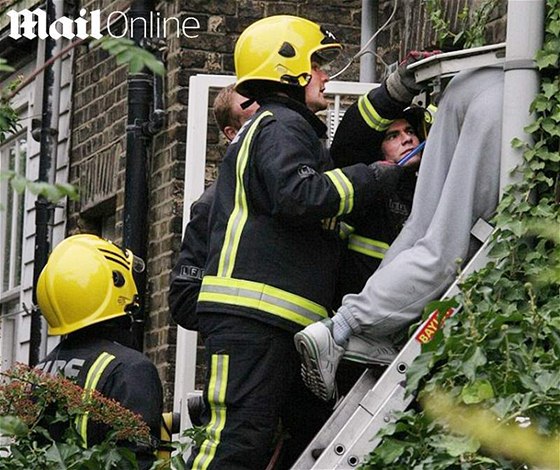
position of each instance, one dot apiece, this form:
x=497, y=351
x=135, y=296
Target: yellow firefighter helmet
x=280, y=49
x=86, y=280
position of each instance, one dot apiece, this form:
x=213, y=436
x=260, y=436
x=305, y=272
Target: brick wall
x=100, y=107
x=98, y=137
x=411, y=27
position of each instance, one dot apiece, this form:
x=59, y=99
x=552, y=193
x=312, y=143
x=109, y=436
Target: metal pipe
x=369, y=26
x=43, y=208
x=135, y=234
x=525, y=32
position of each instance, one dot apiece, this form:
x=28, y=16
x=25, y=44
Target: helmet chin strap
x=301, y=80
x=247, y=103
x=132, y=311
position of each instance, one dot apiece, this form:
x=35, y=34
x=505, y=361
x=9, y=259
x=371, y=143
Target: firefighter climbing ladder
x=350, y=433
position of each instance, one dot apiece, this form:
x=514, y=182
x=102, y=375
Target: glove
x=401, y=83
x=387, y=174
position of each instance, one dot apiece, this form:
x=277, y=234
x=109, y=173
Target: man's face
x=400, y=139
x=314, y=91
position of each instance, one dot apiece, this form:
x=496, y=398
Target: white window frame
x=13, y=207
x=8, y=329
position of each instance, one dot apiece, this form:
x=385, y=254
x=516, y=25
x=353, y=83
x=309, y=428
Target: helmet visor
x=326, y=55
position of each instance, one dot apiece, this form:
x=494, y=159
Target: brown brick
x=213, y=7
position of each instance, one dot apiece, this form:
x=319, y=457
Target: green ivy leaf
x=503, y=406
x=517, y=143
x=473, y=362
x=477, y=392
x=528, y=381
x=59, y=452
x=12, y=426
x=390, y=450
x=554, y=28
x=550, y=126
x=547, y=380
x=18, y=183
x=546, y=59
x=419, y=368
x=457, y=446
x=533, y=127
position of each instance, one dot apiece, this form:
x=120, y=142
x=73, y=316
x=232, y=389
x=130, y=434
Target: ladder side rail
x=341, y=415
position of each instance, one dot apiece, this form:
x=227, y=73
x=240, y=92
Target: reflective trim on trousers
x=217, y=387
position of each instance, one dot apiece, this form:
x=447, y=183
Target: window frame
x=12, y=215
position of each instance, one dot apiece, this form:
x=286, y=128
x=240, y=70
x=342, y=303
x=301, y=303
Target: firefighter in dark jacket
x=87, y=293
x=370, y=231
x=382, y=126
x=273, y=248
x=186, y=276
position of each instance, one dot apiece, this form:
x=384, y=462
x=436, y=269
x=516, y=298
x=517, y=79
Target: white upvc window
x=13, y=156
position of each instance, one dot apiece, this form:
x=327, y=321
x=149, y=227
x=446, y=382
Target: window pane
x=9, y=222
x=13, y=158
x=8, y=311
x=22, y=150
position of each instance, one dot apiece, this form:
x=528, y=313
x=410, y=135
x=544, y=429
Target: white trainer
x=369, y=351
x=320, y=356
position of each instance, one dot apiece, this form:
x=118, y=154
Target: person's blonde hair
x=223, y=109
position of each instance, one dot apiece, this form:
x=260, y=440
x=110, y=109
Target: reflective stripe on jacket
x=367, y=246
x=272, y=255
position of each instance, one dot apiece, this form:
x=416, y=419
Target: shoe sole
x=311, y=373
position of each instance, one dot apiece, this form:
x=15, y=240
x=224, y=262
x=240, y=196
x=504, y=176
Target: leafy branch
x=508, y=372
x=38, y=413
x=126, y=51
x=472, y=23
x=51, y=192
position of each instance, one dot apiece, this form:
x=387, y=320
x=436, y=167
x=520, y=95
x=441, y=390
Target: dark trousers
x=253, y=384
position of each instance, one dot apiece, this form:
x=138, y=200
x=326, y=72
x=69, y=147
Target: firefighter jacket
x=369, y=231
x=118, y=372
x=274, y=244
x=187, y=273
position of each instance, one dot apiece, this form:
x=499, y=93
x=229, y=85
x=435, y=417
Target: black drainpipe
x=43, y=208
x=138, y=138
